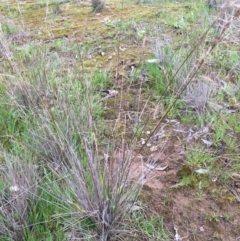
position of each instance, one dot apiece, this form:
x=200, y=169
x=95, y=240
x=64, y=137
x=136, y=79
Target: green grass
x=151, y=226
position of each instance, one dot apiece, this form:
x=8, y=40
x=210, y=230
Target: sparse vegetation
x=121, y=125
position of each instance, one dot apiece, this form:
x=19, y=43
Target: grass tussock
x=62, y=126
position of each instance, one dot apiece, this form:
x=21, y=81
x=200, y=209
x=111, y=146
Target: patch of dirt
x=207, y=212
x=199, y=214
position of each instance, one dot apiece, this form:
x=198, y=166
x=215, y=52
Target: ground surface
x=207, y=212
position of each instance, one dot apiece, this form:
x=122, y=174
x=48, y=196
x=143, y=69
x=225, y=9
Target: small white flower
x=112, y=92
x=14, y=188
x=202, y=229
x=143, y=142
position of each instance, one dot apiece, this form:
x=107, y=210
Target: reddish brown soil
x=210, y=213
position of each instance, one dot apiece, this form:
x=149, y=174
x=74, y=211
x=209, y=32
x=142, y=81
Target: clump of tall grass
x=64, y=134
x=67, y=140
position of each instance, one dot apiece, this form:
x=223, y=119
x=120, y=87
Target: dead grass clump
x=197, y=94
